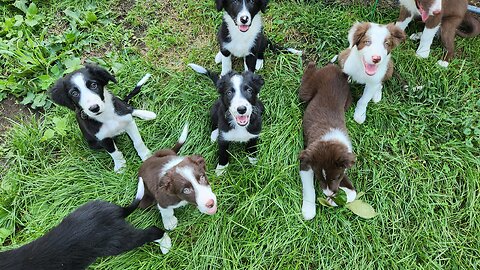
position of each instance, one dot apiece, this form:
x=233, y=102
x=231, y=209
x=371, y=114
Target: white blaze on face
x=376, y=50
x=243, y=27
x=238, y=101
x=203, y=193
x=87, y=97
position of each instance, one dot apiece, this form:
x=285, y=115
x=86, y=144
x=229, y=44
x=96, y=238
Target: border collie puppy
x=236, y=116
x=328, y=151
x=241, y=34
x=368, y=60
x=173, y=181
x=96, y=229
x=101, y=115
x=444, y=15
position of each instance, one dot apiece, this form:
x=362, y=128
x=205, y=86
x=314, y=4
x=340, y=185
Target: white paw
x=145, y=155
x=224, y=71
x=119, y=166
x=442, y=63
x=145, y=115
x=170, y=223
x=359, y=116
x=214, y=135
x=259, y=64
x=252, y=160
x=328, y=192
x=220, y=169
x=377, y=97
x=416, y=36
x=165, y=243
x=331, y=202
x=218, y=58
x=423, y=53
x=308, y=210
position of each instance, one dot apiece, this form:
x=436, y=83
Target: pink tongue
x=424, y=14
x=370, y=69
x=242, y=119
x=243, y=28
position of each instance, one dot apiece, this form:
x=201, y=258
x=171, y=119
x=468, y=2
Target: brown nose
x=376, y=59
x=436, y=12
x=210, y=203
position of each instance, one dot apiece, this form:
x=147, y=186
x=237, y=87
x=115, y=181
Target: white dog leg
x=143, y=114
x=165, y=243
x=214, y=135
x=361, y=109
x=259, y=64
x=405, y=23
x=169, y=220
x=308, y=191
x=378, y=95
x=226, y=64
x=133, y=133
x=118, y=160
x=218, y=57
x=426, y=40
x=220, y=169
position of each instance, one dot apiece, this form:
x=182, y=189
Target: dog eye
x=229, y=93
x=387, y=42
x=186, y=190
x=93, y=86
x=367, y=42
x=74, y=92
x=202, y=178
x=249, y=90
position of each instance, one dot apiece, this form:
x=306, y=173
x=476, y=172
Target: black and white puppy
x=236, y=115
x=241, y=34
x=96, y=229
x=101, y=115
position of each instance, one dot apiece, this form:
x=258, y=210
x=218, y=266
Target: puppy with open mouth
x=236, y=115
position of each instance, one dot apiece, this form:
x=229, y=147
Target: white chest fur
x=355, y=69
x=410, y=6
x=112, y=123
x=242, y=42
x=238, y=134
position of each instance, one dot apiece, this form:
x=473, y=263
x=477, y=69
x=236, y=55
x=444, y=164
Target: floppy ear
x=166, y=182
x=102, y=74
x=263, y=5
x=345, y=160
x=257, y=82
x=222, y=83
x=59, y=95
x=198, y=160
x=304, y=157
x=219, y=4
x=357, y=32
x=398, y=35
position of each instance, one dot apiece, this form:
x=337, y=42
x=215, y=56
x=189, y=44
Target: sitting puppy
x=100, y=115
x=237, y=114
x=96, y=229
x=368, y=60
x=241, y=34
x=173, y=181
x=447, y=16
x=328, y=150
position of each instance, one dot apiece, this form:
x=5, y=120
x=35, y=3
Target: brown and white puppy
x=173, y=181
x=444, y=15
x=328, y=151
x=368, y=60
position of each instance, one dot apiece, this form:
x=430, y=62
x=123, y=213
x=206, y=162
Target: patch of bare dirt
x=11, y=109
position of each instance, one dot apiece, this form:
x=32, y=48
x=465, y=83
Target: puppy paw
x=120, y=166
x=423, y=53
x=259, y=64
x=145, y=115
x=220, y=169
x=218, y=58
x=214, y=135
x=252, y=160
x=170, y=223
x=165, y=243
x=377, y=97
x=442, y=63
x=331, y=202
x=308, y=210
x=145, y=155
x=359, y=116
x=416, y=36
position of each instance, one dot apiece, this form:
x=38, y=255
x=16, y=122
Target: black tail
x=277, y=48
x=137, y=88
x=181, y=139
x=199, y=69
x=138, y=197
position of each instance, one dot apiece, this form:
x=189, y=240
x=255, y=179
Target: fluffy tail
x=137, y=88
x=138, y=197
x=182, y=139
x=277, y=48
x=199, y=69
x=470, y=26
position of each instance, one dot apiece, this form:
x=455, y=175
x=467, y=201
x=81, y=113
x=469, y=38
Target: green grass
x=417, y=153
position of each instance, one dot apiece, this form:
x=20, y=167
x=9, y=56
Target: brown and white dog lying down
x=173, y=181
x=368, y=60
x=450, y=16
x=328, y=151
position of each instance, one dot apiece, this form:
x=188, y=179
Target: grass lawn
x=418, y=153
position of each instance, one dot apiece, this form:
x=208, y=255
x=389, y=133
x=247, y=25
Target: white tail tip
x=297, y=52
x=334, y=59
x=198, y=68
x=140, y=189
x=183, y=137
x=144, y=79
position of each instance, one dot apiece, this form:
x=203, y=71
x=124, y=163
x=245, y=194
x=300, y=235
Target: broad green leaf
x=4, y=233
x=31, y=21
x=28, y=99
x=90, y=17
x=60, y=125
x=361, y=209
x=39, y=100
x=18, y=20
x=324, y=202
x=47, y=135
x=359, y=195
x=45, y=81
x=32, y=9
x=22, y=5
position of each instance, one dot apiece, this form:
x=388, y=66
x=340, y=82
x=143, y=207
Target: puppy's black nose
x=242, y=109
x=94, y=108
x=244, y=19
